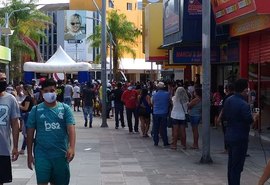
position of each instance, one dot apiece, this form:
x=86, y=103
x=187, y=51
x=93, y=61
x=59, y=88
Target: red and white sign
x=228, y=10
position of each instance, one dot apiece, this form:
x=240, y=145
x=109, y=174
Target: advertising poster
x=77, y=29
x=171, y=16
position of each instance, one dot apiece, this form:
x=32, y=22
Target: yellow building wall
x=84, y=5
x=153, y=33
x=133, y=15
x=144, y=4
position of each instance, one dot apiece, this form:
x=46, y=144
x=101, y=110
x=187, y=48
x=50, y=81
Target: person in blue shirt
x=161, y=101
x=53, y=125
x=237, y=113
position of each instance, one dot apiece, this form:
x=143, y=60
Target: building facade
x=249, y=23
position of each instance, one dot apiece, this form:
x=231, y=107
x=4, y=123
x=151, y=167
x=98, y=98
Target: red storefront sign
x=227, y=10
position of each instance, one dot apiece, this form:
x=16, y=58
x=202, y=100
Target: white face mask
x=129, y=88
x=50, y=97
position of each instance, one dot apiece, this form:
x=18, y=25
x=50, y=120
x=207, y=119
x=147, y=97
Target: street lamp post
x=103, y=64
x=7, y=16
x=206, y=15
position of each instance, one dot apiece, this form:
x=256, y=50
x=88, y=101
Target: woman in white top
x=180, y=101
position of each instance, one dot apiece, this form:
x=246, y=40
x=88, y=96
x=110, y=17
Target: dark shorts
x=178, y=122
x=5, y=169
x=77, y=101
x=54, y=170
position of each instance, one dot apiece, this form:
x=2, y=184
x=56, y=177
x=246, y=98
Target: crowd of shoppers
x=45, y=112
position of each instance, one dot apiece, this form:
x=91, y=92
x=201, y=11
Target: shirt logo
x=42, y=116
x=61, y=115
x=51, y=126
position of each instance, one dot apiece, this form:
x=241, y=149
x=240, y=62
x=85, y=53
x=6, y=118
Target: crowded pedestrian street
x=109, y=156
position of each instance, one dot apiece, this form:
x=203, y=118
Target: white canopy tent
x=60, y=62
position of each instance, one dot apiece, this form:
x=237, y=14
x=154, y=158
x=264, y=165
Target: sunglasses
x=73, y=23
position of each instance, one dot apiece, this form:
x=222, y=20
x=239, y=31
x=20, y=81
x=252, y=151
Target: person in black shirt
x=118, y=105
x=229, y=90
x=88, y=96
x=60, y=91
x=25, y=107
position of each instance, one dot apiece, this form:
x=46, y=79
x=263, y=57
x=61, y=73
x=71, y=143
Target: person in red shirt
x=129, y=97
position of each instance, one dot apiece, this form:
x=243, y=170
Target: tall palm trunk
x=115, y=64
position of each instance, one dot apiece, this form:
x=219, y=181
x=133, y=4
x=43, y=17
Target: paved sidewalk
x=106, y=156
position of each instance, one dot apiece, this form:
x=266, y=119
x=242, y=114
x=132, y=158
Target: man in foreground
x=53, y=125
x=237, y=113
x=9, y=120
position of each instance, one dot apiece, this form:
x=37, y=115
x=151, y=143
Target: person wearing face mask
x=53, y=125
x=9, y=122
x=237, y=114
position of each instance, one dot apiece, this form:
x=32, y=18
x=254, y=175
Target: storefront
x=250, y=23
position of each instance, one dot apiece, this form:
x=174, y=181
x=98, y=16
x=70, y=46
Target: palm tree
x=28, y=29
x=124, y=35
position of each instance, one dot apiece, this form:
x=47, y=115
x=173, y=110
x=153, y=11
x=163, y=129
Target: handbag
x=187, y=117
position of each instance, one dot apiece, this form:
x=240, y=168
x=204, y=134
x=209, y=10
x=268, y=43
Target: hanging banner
x=171, y=16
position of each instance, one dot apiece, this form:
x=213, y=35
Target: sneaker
x=85, y=124
x=166, y=145
x=116, y=127
x=78, y=110
x=90, y=125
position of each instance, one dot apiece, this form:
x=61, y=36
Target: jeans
x=160, y=121
x=119, y=110
x=67, y=100
x=88, y=110
x=24, y=117
x=129, y=119
x=237, y=154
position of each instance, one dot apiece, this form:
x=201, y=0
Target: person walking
x=178, y=115
x=76, y=96
x=237, y=113
x=25, y=107
x=161, y=101
x=9, y=123
x=195, y=112
x=53, y=125
x=129, y=97
x=88, y=97
x=68, y=93
x=144, y=111
x=118, y=105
